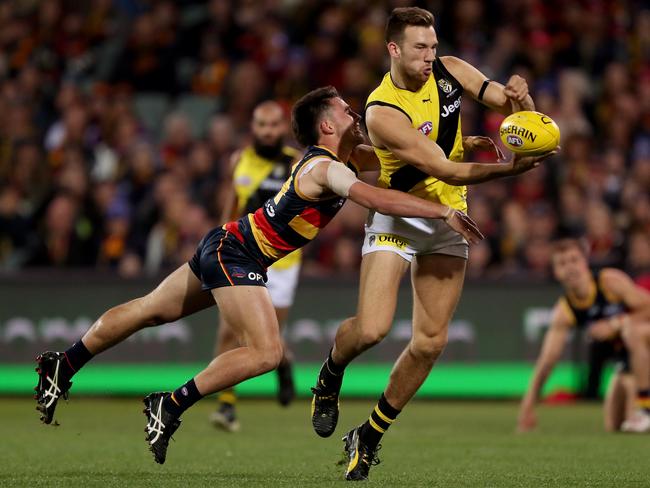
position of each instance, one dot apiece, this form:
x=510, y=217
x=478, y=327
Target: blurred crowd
x=118, y=118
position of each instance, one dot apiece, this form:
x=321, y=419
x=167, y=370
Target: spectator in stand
x=71, y=74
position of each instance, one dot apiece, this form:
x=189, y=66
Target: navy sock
x=331, y=374
x=378, y=423
x=76, y=357
x=182, y=398
x=334, y=368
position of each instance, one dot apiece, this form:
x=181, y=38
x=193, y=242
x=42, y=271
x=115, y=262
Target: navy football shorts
x=222, y=260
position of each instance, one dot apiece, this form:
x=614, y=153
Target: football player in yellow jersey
x=614, y=311
x=257, y=173
x=229, y=269
x=414, y=126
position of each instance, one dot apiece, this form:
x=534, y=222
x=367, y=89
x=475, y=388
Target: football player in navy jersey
x=229, y=267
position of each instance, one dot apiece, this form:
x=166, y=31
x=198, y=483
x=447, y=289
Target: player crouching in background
x=612, y=309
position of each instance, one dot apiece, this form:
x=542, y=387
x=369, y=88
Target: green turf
x=433, y=444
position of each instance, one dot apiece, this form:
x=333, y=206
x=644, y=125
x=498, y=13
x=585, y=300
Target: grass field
x=100, y=442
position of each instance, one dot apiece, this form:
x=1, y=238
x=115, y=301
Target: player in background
x=413, y=120
x=230, y=263
x=612, y=309
x=258, y=172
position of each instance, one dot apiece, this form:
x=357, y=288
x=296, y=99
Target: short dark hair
x=401, y=18
x=307, y=112
x=568, y=243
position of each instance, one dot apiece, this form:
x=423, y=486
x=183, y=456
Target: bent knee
x=428, y=347
x=370, y=337
x=370, y=333
x=270, y=357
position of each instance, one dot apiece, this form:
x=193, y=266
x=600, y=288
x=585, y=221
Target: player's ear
x=393, y=49
x=326, y=126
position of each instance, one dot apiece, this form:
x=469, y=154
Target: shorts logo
x=371, y=240
x=514, y=140
x=426, y=128
x=237, y=272
x=391, y=240
x=184, y=391
x=444, y=85
x=255, y=276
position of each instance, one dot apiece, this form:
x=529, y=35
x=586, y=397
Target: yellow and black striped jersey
x=434, y=110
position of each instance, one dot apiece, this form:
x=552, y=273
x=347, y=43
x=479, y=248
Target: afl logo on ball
x=426, y=128
x=514, y=141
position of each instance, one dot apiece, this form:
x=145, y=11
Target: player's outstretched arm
x=389, y=128
x=508, y=99
x=391, y=202
x=335, y=177
x=554, y=342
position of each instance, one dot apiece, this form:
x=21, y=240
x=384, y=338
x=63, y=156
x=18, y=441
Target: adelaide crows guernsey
x=434, y=110
x=256, y=179
x=289, y=220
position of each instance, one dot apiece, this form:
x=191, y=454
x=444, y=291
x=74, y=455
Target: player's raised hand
x=465, y=226
x=472, y=143
x=516, y=89
x=522, y=163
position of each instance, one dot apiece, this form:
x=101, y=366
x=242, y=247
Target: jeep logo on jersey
x=269, y=208
x=444, y=85
x=426, y=128
x=514, y=141
x=451, y=108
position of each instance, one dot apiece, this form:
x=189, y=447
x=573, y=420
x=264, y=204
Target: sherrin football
x=530, y=133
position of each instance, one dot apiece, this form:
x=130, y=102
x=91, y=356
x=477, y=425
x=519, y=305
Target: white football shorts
x=282, y=284
x=412, y=236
